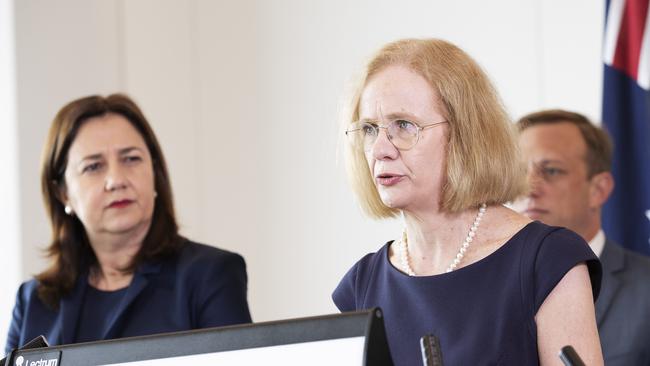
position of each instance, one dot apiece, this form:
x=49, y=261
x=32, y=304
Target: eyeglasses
x=402, y=133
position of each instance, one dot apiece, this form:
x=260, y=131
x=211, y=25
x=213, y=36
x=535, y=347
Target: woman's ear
x=60, y=191
x=602, y=185
x=62, y=196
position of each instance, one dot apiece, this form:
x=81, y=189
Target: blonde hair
x=482, y=164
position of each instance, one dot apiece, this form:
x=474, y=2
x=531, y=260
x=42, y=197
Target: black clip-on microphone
x=570, y=357
x=431, y=352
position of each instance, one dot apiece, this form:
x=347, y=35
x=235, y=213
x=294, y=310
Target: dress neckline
x=465, y=269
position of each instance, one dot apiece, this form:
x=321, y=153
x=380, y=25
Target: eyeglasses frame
x=390, y=138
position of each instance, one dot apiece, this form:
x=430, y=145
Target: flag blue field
x=626, y=115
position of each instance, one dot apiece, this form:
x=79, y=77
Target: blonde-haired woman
x=429, y=140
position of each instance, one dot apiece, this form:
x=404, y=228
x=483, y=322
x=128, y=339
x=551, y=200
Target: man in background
x=569, y=163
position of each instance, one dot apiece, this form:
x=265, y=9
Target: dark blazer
x=623, y=307
x=201, y=287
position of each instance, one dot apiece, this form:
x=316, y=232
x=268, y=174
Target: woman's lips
x=388, y=180
x=120, y=204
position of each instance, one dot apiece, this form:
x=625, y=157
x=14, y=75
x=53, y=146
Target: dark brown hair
x=599, y=144
x=69, y=249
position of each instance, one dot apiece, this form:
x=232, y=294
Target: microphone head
x=570, y=357
x=431, y=351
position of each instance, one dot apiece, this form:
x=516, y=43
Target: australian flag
x=626, y=115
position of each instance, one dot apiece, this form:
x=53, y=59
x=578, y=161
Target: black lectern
x=355, y=338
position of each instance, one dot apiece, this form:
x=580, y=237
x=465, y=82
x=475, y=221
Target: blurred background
x=244, y=96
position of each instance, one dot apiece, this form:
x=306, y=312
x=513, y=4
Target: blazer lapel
x=613, y=261
x=70, y=310
x=138, y=284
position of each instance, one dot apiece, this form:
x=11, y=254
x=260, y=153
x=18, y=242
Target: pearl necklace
x=402, y=245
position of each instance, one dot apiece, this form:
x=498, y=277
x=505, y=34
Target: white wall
x=244, y=97
x=9, y=210
x=63, y=50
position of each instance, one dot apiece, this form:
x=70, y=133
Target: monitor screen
x=348, y=339
x=340, y=352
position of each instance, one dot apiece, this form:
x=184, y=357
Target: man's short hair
x=599, y=144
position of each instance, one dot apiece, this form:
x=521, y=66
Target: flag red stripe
x=630, y=36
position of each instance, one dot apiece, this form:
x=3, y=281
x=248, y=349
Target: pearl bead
x=402, y=245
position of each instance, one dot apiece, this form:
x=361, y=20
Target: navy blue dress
x=484, y=313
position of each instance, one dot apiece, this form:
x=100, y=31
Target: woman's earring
x=68, y=210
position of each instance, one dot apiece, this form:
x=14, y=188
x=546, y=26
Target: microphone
x=570, y=357
x=431, y=351
x=38, y=342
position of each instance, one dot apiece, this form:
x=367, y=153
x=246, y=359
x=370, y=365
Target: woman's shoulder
x=559, y=240
x=508, y=223
x=552, y=251
x=193, y=252
x=368, y=264
x=28, y=289
x=537, y=234
x=371, y=260
x=551, y=247
x=27, y=294
x=199, y=250
x=350, y=290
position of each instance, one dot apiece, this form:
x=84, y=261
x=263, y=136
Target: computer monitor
x=347, y=339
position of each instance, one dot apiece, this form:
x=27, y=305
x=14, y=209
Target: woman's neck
x=114, y=253
x=434, y=238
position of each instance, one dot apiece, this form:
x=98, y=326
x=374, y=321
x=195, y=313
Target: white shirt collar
x=598, y=243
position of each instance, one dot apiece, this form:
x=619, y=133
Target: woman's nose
x=115, y=178
x=382, y=148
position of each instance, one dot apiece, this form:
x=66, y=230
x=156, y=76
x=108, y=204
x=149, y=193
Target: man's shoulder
x=632, y=262
x=638, y=262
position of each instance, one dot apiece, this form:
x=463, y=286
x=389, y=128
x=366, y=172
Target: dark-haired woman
x=119, y=267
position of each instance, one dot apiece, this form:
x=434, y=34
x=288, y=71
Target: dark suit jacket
x=623, y=307
x=201, y=287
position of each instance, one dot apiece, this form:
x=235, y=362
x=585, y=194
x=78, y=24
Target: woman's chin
x=392, y=202
x=124, y=226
